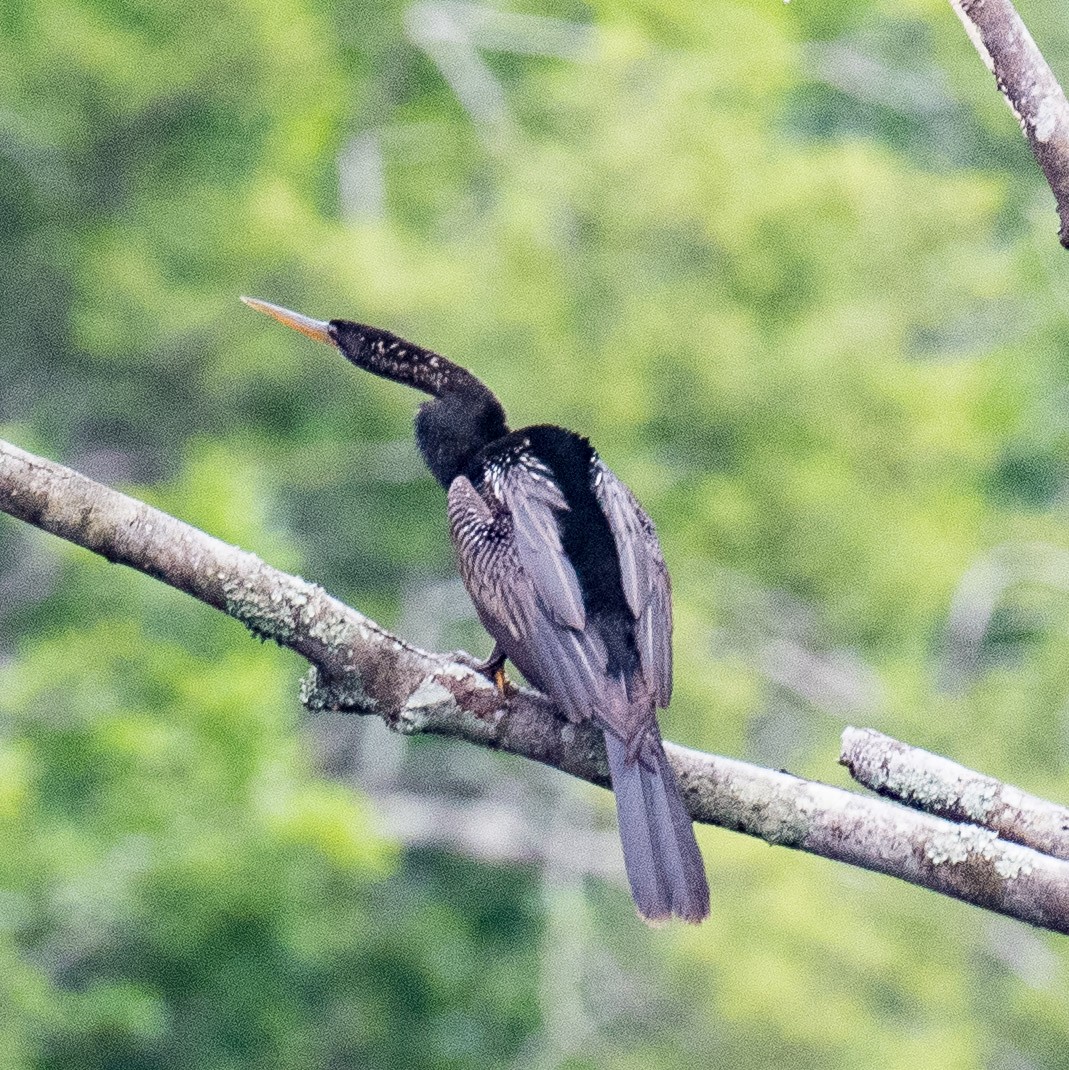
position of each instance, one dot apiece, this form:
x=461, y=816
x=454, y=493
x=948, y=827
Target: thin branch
x=358, y=666
x=939, y=786
x=1029, y=86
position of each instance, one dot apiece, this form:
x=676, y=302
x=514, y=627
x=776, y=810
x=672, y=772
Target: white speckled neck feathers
x=464, y=416
x=385, y=354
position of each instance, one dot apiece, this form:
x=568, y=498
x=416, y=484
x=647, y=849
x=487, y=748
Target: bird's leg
x=493, y=668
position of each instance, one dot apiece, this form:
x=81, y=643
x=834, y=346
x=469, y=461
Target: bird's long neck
x=383, y=353
x=464, y=416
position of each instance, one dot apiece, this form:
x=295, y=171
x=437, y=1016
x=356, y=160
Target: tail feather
x=664, y=865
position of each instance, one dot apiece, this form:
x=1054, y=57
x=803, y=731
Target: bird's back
x=541, y=560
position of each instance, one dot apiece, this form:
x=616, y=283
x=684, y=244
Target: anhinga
x=567, y=576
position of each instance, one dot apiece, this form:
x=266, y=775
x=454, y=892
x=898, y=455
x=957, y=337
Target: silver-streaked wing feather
x=644, y=575
x=534, y=501
x=521, y=597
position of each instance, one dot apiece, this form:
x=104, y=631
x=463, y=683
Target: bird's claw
x=501, y=680
x=493, y=668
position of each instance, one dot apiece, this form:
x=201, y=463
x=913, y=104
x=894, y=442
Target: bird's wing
x=534, y=501
x=527, y=593
x=645, y=579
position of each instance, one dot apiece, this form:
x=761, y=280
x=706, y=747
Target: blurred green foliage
x=792, y=269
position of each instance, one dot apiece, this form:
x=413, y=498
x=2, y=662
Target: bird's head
x=464, y=415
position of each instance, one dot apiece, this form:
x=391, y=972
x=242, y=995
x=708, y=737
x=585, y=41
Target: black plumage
x=566, y=574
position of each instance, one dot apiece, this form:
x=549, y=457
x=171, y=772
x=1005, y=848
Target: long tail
x=661, y=856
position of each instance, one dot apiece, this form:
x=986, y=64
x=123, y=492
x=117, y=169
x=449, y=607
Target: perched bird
x=567, y=576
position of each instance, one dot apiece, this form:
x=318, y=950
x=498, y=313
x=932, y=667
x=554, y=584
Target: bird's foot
x=493, y=668
x=502, y=680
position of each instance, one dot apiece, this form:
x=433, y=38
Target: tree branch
x=1029, y=86
x=938, y=786
x=359, y=666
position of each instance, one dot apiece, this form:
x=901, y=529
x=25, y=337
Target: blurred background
x=790, y=266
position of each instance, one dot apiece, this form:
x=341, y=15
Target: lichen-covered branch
x=939, y=786
x=1029, y=86
x=359, y=666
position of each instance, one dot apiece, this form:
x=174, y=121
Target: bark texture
x=1030, y=88
x=939, y=786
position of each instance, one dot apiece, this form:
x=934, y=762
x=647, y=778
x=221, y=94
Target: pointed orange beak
x=317, y=329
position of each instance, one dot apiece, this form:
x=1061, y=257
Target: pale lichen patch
x=1012, y=866
x=978, y=799
x=908, y=781
x=1046, y=121
x=257, y=608
x=429, y=700
x=785, y=825
x=961, y=843
x=346, y=695
x=332, y=632
x=459, y=671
